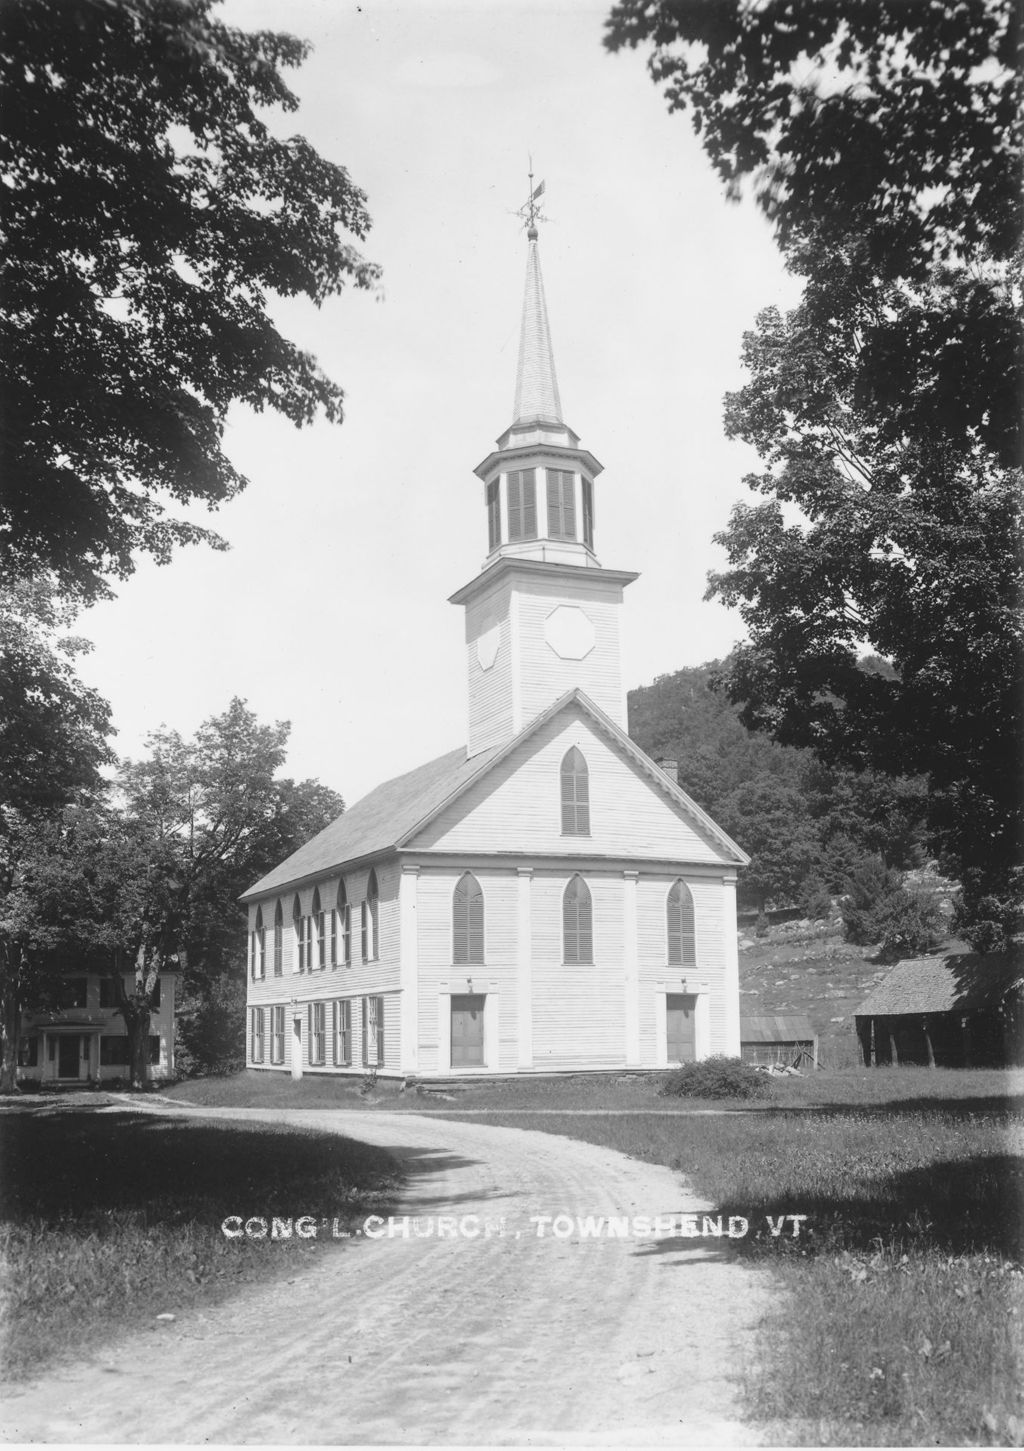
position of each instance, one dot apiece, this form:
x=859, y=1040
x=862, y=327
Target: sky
x=330, y=609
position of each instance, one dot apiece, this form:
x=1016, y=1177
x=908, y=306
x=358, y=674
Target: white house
x=83, y=1039
x=545, y=897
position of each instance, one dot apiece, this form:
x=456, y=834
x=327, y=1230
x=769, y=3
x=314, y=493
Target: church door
x=679, y=1021
x=468, y=1030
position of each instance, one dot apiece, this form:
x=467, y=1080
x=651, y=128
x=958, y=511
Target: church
x=545, y=898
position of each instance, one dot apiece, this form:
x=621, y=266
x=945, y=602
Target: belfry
x=542, y=616
x=544, y=897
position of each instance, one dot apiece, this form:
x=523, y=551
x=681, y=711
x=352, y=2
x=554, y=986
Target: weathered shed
x=959, y=1011
x=779, y=1040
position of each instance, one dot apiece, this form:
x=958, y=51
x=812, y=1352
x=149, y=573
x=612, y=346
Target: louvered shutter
x=493, y=515
x=380, y=1032
x=515, y=506
x=554, y=504
x=364, y=917
x=366, y=1045
x=529, y=477
x=476, y=923
x=568, y=507
x=460, y=923
x=588, y=513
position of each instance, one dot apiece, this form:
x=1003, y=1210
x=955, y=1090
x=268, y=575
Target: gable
x=516, y=805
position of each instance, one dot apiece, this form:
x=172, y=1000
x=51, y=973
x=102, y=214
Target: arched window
x=278, y=938
x=302, y=940
x=370, y=919
x=468, y=920
x=577, y=922
x=345, y=914
x=575, y=794
x=319, y=922
x=682, y=935
x=259, y=955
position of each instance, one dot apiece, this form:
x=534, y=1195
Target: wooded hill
x=806, y=826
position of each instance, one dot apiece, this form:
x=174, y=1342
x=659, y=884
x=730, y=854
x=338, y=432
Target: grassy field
x=899, y=1308
x=109, y=1219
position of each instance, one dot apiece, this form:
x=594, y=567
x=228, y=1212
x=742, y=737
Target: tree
x=883, y=141
x=149, y=212
x=150, y=880
x=53, y=743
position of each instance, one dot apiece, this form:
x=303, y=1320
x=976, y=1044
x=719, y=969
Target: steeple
x=542, y=617
x=536, y=384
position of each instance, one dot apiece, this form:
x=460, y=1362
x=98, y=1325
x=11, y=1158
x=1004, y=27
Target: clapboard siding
x=495, y=977
x=543, y=675
x=490, y=691
x=577, y=1007
x=654, y=968
x=516, y=806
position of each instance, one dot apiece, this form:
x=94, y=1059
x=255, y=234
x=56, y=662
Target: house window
x=342, y=1033
x=319, y=918
x=373, y=1032
x=493, y=515
x=682, y=934
x=522, y=504
x=370, y=923
x=575, y=794
x=345, y=914
x=73, y=992
x=334, y=936
x=113, y=1050
x=578, y=922
x=317, y=1033
x=303, y=937
x=155, y=1000
x=588, y=513
x=561, y=505
x=154, y=1048
x=468, y=920
x=278, y=939
x=28, y=1052
x=258, y=1019
x=108, y=992
x=277, y=1033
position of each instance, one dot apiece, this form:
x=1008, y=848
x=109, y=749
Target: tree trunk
x=136, y=1020
x=10, y=1026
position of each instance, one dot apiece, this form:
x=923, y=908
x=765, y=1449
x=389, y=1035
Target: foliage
x=150, y=212
x=815, y=899
x=884, y=144
x=878, y=908
x=717, y=1077
x=210, y=1028
x=149, y=880
x=796, y=817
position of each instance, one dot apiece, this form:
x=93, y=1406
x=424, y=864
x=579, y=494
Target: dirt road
x=507, y=1337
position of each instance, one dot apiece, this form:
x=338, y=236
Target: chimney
x=671, y=769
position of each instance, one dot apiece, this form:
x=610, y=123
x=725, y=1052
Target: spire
x=536, y=384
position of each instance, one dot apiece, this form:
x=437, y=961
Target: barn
x=785, y=1040
x=963, y=1010
x=544, y=897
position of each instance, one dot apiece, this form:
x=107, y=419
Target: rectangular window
x=522, y=504
x=278, y=946
x=28, y=1052
x=346, y=935
x=588, y=513
x=304, y=942
x=257, y=1029
x=108, y=993
x=113, y=1050
x=342, y=1033
x=317, y=1033
x=561, y=505
x=334, y=936
x=277, y=1034
x=493, y=515
x=321, y=939
x=373, y=1032
x=154, y=1048
x=73, y=993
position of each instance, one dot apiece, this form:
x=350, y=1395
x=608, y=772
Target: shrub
x=815, y=900
x=717, y=1077
x=877, y=908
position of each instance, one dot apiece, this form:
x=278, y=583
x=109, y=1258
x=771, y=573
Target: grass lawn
x=108, y=1219
x=899, y=1309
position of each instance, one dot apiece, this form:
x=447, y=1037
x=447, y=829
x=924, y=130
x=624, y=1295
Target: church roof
x=378, y=821
x=536, y=384
x=961, y=982
x=392, y=813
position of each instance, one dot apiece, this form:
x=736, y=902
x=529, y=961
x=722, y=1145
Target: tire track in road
x=451, y=1341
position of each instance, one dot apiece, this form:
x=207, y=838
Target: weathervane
x=531, y=212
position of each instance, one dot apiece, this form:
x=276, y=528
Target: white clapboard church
x=545, y=897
